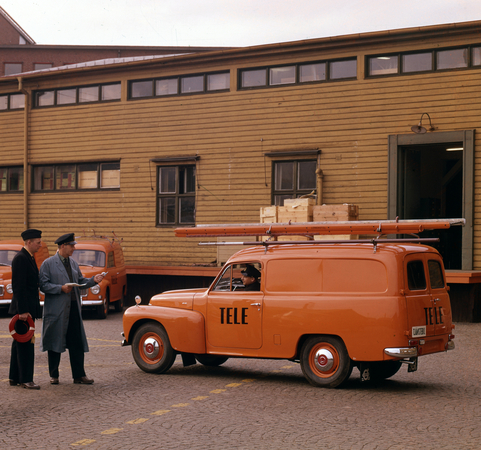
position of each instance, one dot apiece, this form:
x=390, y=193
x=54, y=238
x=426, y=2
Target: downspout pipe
x=26, y=177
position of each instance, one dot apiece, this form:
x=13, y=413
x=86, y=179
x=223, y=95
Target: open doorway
x=431, y=177
x=430, y=183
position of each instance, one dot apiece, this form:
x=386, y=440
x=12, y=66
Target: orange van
x=328, y=306
x=8, y=249
x=96, y=255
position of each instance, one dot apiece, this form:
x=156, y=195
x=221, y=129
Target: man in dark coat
x=26, y=304
x=62, y=327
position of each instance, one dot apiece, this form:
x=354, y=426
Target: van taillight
x=451, y=337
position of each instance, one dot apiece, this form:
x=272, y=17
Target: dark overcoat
x=25, y=285
x=56, y=308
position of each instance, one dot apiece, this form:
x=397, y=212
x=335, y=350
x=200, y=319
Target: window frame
x=296, y=192
x=56, y=175
x=9, y=102
x=175, y=194
x=77, y=102
x=8, y=179
x=179, y=78
x=297, y=70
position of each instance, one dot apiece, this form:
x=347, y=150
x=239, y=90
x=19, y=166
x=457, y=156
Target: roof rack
x=362, y=227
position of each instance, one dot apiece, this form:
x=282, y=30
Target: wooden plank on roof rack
x=365, y=227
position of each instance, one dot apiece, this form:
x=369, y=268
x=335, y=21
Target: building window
x=188, y=84
x=426, y=61
x=77, y=95
x=11, y=179
x=12, y=101
x=80, y=176
x=298, y=73
x=13, y=68
x=42, y=66
x=292, y=179
x=176, y=195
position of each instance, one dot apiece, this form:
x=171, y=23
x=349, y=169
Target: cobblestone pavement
x=244, y=404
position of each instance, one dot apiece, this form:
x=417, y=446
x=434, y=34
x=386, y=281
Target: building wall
x=349, y=121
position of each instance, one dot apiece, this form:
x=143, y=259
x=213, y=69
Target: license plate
x=413, y=367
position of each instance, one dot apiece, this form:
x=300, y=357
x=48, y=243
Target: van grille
x=1, y=290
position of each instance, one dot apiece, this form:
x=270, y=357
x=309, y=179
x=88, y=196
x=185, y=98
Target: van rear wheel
x=380, y=370
x=325, y=361
x=211, y=360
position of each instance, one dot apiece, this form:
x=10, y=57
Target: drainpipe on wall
x=319, y=177
x=26, y=177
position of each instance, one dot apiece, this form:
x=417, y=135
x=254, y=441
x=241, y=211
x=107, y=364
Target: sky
x=223, y=23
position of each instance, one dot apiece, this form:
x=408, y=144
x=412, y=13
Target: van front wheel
x=325, y=361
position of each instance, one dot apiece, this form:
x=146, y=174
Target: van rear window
x=326, y=275
x=435, y=274
x=416, y=276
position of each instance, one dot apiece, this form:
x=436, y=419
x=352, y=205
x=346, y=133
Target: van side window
x=231, y=278
x=416, y=276
x=435, y=274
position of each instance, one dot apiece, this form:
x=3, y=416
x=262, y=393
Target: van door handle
x=436, y=300
x=255, y=304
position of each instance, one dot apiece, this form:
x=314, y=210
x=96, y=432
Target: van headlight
x=95, y=289
x=9, y=288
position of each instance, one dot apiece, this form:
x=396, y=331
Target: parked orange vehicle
x=329, y=305
x=96, y=255
x=8, y=249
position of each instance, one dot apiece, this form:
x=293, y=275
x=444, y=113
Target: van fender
x=185, y=328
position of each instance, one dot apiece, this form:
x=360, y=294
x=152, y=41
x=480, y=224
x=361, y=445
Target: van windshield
x=6, y=257
x=89, y=257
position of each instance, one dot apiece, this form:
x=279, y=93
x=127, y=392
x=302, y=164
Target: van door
x=234, y=315
x=440, y=298
x=419, y=302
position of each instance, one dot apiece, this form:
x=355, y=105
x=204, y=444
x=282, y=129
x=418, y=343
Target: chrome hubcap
x=151, y=348
x=323, y=360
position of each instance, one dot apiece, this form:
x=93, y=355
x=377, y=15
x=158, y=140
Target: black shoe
x=83, y=380
x=13, y=383
x=30, y=385
x=54, y=380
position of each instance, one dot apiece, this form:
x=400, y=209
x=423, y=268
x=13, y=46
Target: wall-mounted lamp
x=419, y=127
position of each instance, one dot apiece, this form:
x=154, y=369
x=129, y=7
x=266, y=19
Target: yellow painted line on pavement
x=287, y=367
x=83, y=442
x=233, y=385
x=136, y=421
x=180, y=405
x=105, y=340
x=112, y=431
x=218, y=391
x=248, y=380
x=160, y=412
x=200, y=397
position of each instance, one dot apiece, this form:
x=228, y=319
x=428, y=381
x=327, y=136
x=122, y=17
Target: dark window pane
x=435, y=274
x=15, y=182
x=167, y=179
x=192, y=84
x=17, y=101
x=166, y=87
x=66, y=96
x=141, y=89
x=187, y=210
x=279, y=199
x=167, y=210
x=343, y=69
x=383, y=65
x=3, y=102
x=416, y=277
x=452, y=59
x=65, y=177
x=111, y=91
x=312, y=72
x=88, y=94
x=306, y=174
x=417, y=62
x=476, y=56
x=186, y=179
x=251, y=78
x=218, y=81
x=284, y=176
x=282, y=75
x=43, y=178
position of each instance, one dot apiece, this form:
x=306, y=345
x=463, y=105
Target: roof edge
x=17, y=26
